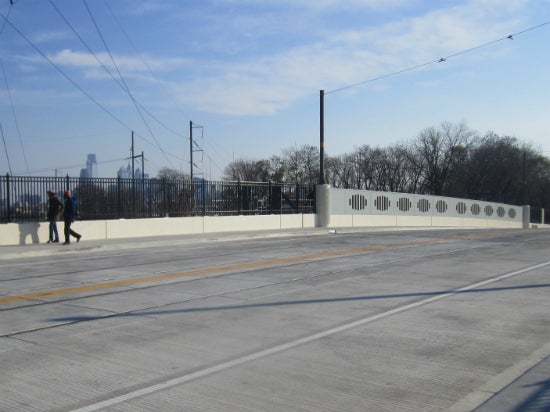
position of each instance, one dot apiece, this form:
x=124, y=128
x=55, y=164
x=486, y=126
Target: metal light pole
x=322, y=138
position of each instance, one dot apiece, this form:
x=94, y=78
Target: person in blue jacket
x=68, y=217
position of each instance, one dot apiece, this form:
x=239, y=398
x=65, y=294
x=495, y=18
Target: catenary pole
x=132, y=155
x=191, y=147
x=322, y=138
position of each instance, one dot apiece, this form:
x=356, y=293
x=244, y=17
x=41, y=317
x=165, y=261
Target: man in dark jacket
x=68, y=217
x=54, y=208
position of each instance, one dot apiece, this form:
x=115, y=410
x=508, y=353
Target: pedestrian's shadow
x=28, y=229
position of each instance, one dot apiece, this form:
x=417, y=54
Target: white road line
x=292, y=344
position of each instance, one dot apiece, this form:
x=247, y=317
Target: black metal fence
x=539, y=215
x=24, y=199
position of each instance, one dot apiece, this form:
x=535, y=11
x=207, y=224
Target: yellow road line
x=228, y=268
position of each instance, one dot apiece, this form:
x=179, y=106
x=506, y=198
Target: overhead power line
x=68, y=78
x=6, y=148
x=106, y=69
x=103, y=66
x=439, y=60
x=65, y=75
x=73, y=166
x=4, y=23
x=8, y=90
x=128, y=38
x=126, y=88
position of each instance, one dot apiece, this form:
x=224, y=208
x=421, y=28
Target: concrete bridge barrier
x=335, y=208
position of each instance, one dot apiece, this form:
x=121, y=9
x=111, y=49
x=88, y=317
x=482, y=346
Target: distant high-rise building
x=91, y=167
x=125, y=172
x=140, y=175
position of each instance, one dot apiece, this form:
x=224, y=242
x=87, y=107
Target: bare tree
x=248, y=170
x=502, y=169
x=277, y=169
x=449, y=160
x=437, y=151
x=302, y=164
x=172, y=174
x=341, y=171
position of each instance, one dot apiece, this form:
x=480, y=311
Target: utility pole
x=142, y=166
x=524, y=175
x=322, y=138
x=192, y=145
x=132, y=155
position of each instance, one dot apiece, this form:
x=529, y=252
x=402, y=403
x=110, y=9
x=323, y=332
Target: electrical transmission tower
x=195, y=148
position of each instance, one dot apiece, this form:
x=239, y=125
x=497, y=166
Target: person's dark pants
x=69, y=232
x=54, y=236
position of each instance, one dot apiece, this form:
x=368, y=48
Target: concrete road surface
x=413, y=320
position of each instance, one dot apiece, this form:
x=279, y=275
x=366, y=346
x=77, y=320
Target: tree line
x=447, y=160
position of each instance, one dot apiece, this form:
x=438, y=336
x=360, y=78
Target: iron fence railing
x=24, y=198
x=540, y=216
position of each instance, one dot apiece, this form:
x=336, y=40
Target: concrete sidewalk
x=49, y=249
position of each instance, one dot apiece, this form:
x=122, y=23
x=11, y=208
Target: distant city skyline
x=126, y=173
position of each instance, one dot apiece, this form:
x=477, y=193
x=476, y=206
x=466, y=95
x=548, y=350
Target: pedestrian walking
x=68, y=217
x=55, y=206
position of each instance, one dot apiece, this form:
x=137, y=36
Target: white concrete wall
x=37, y=232
x=365, y=208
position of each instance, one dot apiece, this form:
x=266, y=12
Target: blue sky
x=249, y=72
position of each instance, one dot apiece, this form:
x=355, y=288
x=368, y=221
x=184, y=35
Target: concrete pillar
x=526, y=216
x=322, y=196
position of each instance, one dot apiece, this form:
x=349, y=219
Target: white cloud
x=148, y=7
x=77, y=59
x=327, y=58
x=138, y=64
x=321, y=4
x=273, y=82
x=50, y=36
